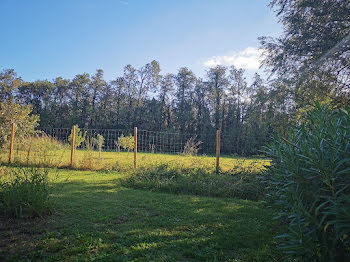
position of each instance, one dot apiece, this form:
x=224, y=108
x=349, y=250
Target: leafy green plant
x=309, y=183
x=79, y=136
x=126, y=142
x=11, y=112
x=25, y=192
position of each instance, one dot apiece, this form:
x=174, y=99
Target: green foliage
x=22, y=116
x=311, y=56
x=197, y=179
x=126, y=142
x=182, y=104
x=79, y=136
x=309, y=183
x=25, y=192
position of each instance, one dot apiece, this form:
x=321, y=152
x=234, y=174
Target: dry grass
x=46, y=151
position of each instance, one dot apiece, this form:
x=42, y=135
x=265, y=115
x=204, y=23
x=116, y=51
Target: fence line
x=162, y=142
x=59, y=139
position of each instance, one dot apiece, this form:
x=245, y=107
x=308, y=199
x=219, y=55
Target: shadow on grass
x=103, y=221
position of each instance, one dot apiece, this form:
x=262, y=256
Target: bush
x=22, y=116
x=126, y=142
x=196, y=180
x=25, y=192
x=310, y=185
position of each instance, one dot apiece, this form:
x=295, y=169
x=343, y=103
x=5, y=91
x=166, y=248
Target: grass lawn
x=97, y=219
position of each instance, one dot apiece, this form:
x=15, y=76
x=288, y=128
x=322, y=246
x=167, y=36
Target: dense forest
x=309, y=62
x=146, y=99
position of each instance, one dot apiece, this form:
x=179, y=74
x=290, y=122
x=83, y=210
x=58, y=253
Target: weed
x=25, y=192
x=197, y=179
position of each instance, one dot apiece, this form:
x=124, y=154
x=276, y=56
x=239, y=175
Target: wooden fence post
x=135, y=146
x=217, y=150
x=73, y=147
x=11, y=143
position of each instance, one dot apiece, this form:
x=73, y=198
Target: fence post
x=135, y=146
x=11, y=142
x=217, y=150
x=73, y=147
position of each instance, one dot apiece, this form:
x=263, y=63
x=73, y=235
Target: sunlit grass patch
x=98, y=219
x=53, y=154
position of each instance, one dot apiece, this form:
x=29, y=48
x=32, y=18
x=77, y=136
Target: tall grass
x=197, y=179
x=25, y=192
x=39, y=150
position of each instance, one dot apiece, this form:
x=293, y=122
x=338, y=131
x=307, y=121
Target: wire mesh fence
x=52, y=146
x=165, y=142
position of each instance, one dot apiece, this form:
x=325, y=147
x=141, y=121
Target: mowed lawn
x=96, y=219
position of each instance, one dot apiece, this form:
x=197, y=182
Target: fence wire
x=165, y=142
x=52, y=146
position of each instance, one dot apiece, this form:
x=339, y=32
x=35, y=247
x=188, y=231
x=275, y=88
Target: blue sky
x=46, y=39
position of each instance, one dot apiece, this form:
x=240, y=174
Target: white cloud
x=248, y=58
x=123, y=2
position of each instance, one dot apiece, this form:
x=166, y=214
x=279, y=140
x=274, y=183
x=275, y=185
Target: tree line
x=143, y=97
x=309, y=62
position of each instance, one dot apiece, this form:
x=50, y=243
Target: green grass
x=48, y=152
x=198, y=180
x=89, y=160
x=98, y=219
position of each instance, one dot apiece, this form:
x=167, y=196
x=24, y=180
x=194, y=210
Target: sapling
x=126, y=142
x=99, y=141
x=79, y=136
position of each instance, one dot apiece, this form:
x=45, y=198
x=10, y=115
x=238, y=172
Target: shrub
x=310, y=185
x=197, y=180
x=126, y=142
x=11, y=112
x=25, y=192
